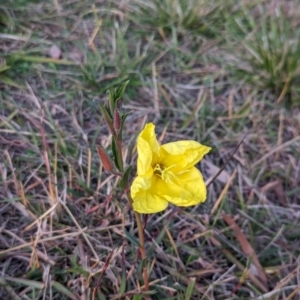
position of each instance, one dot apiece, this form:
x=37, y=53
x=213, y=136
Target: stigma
x=164, y=173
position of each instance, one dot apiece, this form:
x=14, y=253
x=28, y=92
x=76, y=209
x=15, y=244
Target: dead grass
x=66, y=231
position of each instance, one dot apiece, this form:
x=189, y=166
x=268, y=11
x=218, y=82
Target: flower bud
x=119, y=103
x=108, y=119
x=107, y=163
x=117, y=120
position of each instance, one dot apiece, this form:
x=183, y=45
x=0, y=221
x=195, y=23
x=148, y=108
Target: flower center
x=164, y=173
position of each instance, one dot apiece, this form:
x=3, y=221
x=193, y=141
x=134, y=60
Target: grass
x=212, y=72
x=270, y=51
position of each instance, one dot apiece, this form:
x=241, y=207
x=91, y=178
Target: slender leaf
x=58, y=286
x=124, y=180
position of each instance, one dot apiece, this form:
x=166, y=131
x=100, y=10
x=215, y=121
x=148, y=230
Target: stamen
x=158, y=170
x=164, y=173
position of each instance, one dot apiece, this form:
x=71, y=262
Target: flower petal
x=188, y=189
x=145, y=200
x=183, y=154
x=148, y=134
x=147, y=145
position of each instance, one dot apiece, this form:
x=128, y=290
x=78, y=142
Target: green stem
x=138, y=222
x=120, y=155
x=142, y=242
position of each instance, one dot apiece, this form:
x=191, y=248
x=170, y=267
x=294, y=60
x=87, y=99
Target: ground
x=223, y=73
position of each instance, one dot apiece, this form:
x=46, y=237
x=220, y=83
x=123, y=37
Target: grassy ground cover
x=218, y=72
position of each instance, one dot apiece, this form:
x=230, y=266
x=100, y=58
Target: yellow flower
x=166, y=173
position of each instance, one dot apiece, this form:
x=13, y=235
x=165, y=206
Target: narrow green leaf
x=105, y=112
x=108, y=119
x=27, y=282
x=40, y=59
x=115, y=153
x=124, y=180
x=101, y=296
x=9, y=289
x=132, y=239
x=4, y=68
x=189, y=290
x=83, y=185
x=123, y=283
x=123, y=118
x=58, y=286
x=121, y=90
x=112, y=100
x=9, y=81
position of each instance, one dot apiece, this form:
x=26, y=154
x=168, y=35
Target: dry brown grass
x=66, y=230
